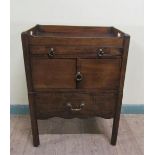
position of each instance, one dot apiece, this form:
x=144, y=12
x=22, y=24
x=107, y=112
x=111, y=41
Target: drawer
x=53, y=73
x=61, y=104
x=69, y=105
x=74, y=51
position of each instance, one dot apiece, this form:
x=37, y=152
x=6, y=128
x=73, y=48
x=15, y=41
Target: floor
x=78, y=136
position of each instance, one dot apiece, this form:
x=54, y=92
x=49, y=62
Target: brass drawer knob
x=76, y=109
x=51, y=52
x=100, y=52
x=79, y=77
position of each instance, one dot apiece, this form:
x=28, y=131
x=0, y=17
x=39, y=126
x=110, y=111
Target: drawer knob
x=76, y=109
x=79, y=77
x=100, y=52
x=51, y=52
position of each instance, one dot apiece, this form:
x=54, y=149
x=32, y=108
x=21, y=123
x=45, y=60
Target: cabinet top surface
x=74, y=31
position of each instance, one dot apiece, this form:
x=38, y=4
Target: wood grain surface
x=78, y=59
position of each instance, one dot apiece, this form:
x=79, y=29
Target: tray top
x=74, y=31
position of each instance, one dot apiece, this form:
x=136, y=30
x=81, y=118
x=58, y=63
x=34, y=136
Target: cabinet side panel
x=34, y=124
x=120, y=95
x=122, y=75
x=124, y=61
x=25, y=45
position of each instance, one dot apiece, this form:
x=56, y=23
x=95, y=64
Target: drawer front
x=74, y=51
x=69, y=105
x=53, y=73
x=99, y=73
x=61, y=104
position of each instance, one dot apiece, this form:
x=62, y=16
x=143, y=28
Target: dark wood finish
x=34, y=124
x=75, y=71
x=109, y=41
x=75, y=30
x=75, y=51
x=55, y=104
x=53, y=73
x=99, y=73
x=120, y=96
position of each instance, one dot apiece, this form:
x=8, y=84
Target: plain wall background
x=122, y=14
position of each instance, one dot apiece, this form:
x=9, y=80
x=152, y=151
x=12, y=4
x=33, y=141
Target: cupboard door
x=53, y=73
x=99, y=73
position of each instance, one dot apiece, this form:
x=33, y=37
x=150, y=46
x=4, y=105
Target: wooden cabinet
x=75, y=71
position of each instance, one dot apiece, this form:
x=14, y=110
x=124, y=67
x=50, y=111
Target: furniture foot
x=34, y=123
x=36, y=141
x=115, y=130
x=35, y=133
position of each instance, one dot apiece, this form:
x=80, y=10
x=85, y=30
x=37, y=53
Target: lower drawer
x=69, y=105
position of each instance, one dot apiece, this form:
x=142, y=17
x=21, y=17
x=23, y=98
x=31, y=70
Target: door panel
x=99, y=73
x=53, y=73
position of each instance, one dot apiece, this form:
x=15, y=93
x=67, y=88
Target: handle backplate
x=100, y=52
x=75, y=109
x=79, y=77
x=51, y=52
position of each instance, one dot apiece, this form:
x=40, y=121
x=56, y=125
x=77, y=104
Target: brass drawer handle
x=100, y=52
x=51, y=52
x=75, y=109
x=79, y=77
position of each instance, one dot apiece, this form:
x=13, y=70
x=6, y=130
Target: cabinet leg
x=35, y=133
x=116, y=120
x=34, y=123
x=115, y=130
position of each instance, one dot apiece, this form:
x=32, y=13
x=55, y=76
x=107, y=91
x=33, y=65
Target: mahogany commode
x=75, y=71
